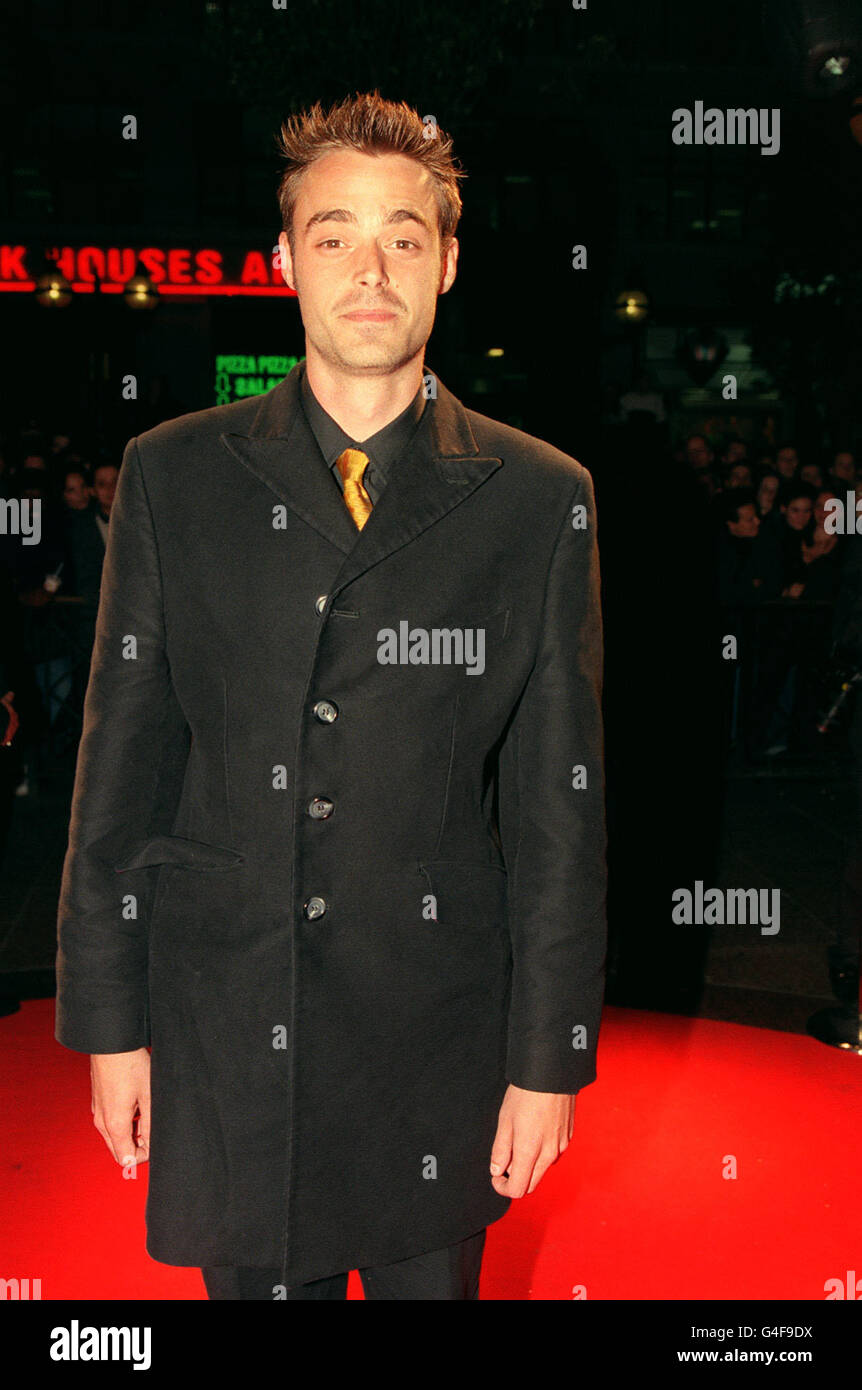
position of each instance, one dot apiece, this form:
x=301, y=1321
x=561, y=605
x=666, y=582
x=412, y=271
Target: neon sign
x=176, y=270
x=238, y=376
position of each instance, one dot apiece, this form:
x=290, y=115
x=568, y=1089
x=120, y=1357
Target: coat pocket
x=495, y=625
x=175, y=849
x=466, y=894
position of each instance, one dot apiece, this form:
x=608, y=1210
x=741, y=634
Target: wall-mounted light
x=632, y=306
x=141, y=292
x=52, y=289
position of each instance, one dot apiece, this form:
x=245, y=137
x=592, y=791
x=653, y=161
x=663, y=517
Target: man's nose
x=372, y=265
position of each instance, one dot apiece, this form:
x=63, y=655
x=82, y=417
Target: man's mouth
x=370, y=315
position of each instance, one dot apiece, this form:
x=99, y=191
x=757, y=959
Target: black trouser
x=450, y=1273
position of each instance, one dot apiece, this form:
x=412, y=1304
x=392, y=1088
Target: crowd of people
x=56, y=506
x=787, y=556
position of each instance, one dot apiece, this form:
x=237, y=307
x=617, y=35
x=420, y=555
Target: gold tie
x=351, y=465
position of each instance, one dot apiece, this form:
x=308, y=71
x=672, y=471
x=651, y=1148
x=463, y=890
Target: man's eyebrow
x=344, y=215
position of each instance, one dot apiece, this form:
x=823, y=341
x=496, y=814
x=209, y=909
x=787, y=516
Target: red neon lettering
x=179, y=272
x=64, y=260
x=121, y=264
x=208, y=267
x=254, y=270
x=154, y=261
x=90, y=262
x=12, y=265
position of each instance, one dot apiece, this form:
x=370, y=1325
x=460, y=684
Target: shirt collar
x=382, y=448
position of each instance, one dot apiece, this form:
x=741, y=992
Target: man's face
x=739, y=476
x=76, y=494
x=105, y=485
x=797, y=513
x=367, y=266
x=844, y=467
x=747, y=522
x=736, y=451
x=810, y=473
x=787, y=461
x=766, y=492
x=698, y=452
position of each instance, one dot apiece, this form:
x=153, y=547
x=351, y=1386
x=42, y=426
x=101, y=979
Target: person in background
x=738, y=476
x=823, y=554
x=783, y=714
x=787, y=462
x=735, y=451
x=812, y=474
x=88, y=533
x=797, y=528
x=77, y=491
x=698, y=454
x=701, y=459
x=767, y=497
x=748, y=561
x=749, y=572
x=842, y=474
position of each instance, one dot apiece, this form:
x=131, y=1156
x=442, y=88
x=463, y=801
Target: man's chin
x=373, y=358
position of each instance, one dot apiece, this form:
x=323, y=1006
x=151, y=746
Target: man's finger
x=521, y=1169
x=143, y=1124
x=543, y=1163
x=120, y=1140
x=501, y=1149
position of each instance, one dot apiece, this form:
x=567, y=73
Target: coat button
x=315, y=907
x=320, y=603
x=320, y=808
x=325, y=711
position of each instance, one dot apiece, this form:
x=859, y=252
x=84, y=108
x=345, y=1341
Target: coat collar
x=443, y=468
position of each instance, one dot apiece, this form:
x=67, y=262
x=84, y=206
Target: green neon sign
x=239, y=375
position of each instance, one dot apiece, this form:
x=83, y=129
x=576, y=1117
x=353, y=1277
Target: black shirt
x=383, y=448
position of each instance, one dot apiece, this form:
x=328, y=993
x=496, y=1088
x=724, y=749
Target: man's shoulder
x=525, y=452
x=199, y=425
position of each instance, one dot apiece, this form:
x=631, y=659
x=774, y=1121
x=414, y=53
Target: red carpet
x=636, y=1208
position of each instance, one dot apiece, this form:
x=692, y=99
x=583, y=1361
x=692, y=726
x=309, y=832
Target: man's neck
x=362, y=405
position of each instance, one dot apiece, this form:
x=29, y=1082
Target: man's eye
x=404, y=241
x=332, y=241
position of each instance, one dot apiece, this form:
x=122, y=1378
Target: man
x=843, y=472
x=88, y=529
x=77, y=493
x=700, y=459
x=749, y=568
x=749, y=573
x=359, y=732
x=699, y=456
x=787, y=462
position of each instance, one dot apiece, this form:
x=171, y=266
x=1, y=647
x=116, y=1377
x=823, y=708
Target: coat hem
x=327, y=1269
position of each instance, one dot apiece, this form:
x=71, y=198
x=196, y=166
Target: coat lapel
x=277, y=450
x=442, y=469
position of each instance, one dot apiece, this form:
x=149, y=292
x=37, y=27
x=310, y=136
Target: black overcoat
x=344, y=887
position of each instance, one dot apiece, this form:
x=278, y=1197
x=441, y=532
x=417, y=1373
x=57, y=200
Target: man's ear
x=286, y=261
x=449, y=267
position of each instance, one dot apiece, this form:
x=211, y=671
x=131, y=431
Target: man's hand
x=120, y=1084
x=533, y=1130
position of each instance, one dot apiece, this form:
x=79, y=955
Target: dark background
x=562, y=120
